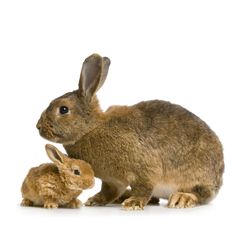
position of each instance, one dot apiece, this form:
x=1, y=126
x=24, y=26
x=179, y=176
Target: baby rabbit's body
x=159, y=149
x=52, y=185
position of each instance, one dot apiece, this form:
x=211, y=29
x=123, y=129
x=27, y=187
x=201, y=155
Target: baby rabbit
x=158, y=149
x=57, y=184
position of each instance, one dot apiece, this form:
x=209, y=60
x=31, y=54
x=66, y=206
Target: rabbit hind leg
x=205, y=193
x=182, y=200
x=199, y=194
x=26, y=202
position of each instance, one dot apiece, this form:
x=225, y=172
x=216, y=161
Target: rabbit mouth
x=57, y=135
x=49, y=134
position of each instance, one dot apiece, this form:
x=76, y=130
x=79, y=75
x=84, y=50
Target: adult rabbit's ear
x=93, y=74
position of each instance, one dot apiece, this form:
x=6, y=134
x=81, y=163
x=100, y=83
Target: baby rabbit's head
x=76, y=174
x=74, y=114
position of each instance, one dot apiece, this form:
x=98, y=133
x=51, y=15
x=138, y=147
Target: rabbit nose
x=38, y=126
x=40, y=121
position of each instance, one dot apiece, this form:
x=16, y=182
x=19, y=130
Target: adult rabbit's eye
x=64, y=110
x=76, y=172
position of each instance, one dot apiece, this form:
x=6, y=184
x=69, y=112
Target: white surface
x=182, y=51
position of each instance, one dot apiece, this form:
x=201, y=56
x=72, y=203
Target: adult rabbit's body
x=173, y=146
x=157, y=148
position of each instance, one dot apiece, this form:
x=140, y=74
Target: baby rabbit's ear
x=93, y=74
x=54, y=154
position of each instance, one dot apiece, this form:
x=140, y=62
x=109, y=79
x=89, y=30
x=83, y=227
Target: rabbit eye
x=64, y=110
x=76, y=172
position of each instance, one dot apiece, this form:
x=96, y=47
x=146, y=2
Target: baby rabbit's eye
x=64, y=110
x=76, y=172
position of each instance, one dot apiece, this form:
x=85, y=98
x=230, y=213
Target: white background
x=181, y=51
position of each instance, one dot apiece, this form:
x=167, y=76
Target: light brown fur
x=55, y=184
x=157, y=148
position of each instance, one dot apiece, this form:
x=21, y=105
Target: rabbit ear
x=93, y=74
x=54, y=154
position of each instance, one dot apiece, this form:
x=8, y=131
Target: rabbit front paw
x=75, y=203
x=96, y=200
x=128, y=193
x=182, y=200
x=134, y=203
x=50, y=205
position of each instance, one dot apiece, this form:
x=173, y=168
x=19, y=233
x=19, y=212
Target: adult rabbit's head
x=69, y=117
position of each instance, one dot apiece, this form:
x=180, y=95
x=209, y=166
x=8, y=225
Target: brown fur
x=157, y=148
x=55, y=184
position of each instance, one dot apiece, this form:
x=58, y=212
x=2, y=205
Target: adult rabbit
x=157, y=148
